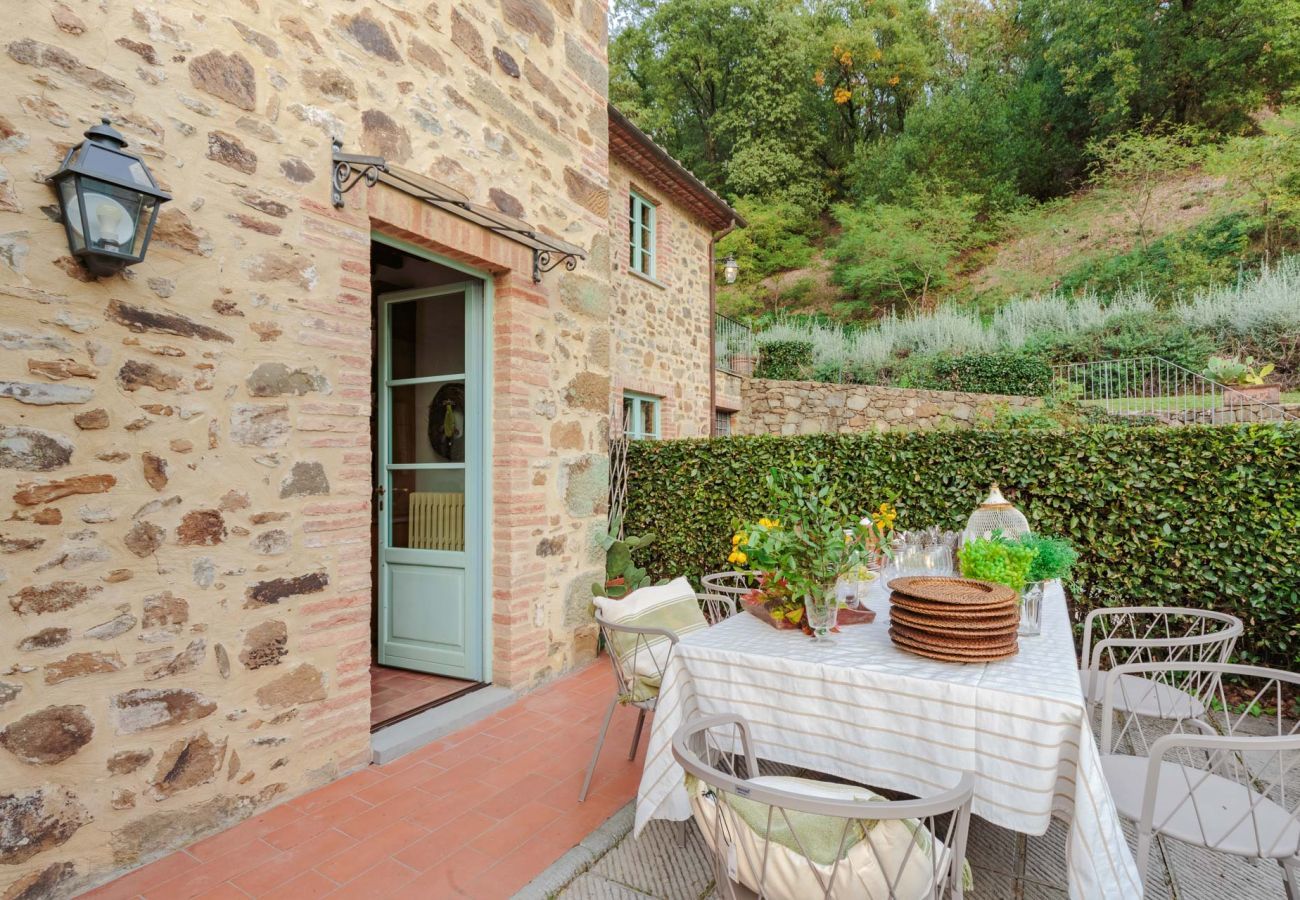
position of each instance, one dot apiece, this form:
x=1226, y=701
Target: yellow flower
x=732, y=558
x=819, y=78
x=741, y=558
x=735, y=538
x=846, y=59
x=893, y=79
x=842, y=96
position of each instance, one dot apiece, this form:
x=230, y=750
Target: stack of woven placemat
x=953, y=619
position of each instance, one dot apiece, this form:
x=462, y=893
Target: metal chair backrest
x=1133, y=635
x=631, y=687
x=717, y=607
x=1219, y=772
x=735, y=584
x=884, y=849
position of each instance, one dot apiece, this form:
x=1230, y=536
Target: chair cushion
x=1143, y=696
x=802, y=850
x=643, y=657
x=1218, y=813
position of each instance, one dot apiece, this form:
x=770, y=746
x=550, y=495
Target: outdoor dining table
x=860, y=708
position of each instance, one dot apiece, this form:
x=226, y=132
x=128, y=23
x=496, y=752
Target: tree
x=710, y=79
x=1268, y=167
x=897, y=256
x=1129, y=165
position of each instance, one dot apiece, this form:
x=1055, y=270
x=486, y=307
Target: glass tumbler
x=1031, y=609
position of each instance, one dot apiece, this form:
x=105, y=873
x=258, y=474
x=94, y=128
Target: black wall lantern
x=109, y=199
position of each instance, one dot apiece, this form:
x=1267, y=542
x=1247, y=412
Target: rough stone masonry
x=185, y=452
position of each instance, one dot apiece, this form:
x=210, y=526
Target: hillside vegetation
x=895, y=157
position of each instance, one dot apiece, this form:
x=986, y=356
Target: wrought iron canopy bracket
x=350, y=169
x=545, y=260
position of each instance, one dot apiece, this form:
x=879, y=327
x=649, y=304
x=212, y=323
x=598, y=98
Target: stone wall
x=662, y=329
x=810, y=407
x=184, y=449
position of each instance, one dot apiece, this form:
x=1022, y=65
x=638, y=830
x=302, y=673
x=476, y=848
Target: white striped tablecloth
x=862, y=709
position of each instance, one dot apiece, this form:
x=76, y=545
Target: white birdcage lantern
x=995, y=514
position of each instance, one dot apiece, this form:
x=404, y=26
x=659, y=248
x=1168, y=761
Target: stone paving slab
x=657, y=867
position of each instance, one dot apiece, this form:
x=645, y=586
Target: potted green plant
x=1245, y=381
x=1053, y=560
x=807, y=542
x=1002, y=560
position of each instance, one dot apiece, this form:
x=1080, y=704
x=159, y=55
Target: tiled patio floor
x=397, y=691
x=477, y=814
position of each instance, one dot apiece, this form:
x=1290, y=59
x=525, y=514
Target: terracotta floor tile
x=451, y=880
x=516, y=828
x=312, y=824
x=136, y=883
x=379, y=817
x=510, y=797
x=377, y=882
x=223, y=891
x=370, y=851
x=447, y=840
x=477, y=814
x=213, y=872
x=290, y=863
x=307, y=886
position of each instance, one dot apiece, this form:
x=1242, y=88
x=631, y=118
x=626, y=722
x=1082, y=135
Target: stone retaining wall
x=810, y=407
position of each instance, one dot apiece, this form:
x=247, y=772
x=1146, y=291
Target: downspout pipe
x=713, y=318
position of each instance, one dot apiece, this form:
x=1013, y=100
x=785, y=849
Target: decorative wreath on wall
x=447, y=422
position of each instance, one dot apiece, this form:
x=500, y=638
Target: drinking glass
x=1031, y=609
x=822, y=613
x=937, y=560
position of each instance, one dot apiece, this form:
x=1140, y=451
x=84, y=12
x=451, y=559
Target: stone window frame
x=642, y=260
x=633, y=401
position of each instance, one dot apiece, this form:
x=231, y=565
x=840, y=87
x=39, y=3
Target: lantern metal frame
x=730, y=268
x=79, y=166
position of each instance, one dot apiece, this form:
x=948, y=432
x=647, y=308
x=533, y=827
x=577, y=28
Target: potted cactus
x=622, y=575
x=1245, y=382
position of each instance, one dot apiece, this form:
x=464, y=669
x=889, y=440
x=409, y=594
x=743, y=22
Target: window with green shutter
x=641, y=234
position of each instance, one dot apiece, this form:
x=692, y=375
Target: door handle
x=379, y=495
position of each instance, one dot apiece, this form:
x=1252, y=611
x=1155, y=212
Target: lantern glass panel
x=114, y=216
x=72, y=214
x=115, y=166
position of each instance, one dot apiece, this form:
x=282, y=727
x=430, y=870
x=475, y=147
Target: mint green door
x=430, y=492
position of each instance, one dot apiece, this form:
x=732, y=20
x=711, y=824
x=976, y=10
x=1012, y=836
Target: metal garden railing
x=730, y=339
x=1155, y=388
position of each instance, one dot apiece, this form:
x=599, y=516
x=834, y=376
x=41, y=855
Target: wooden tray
x=952, y=590
x=952, y=626
x=982, y=642
x=846, y=616
x=958, y=656
x=950, y=614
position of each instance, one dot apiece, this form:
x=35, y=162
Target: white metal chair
x=639, y=691
x=782, y=838
x=1217, y=779
x=735, y=584
x=1131, y=635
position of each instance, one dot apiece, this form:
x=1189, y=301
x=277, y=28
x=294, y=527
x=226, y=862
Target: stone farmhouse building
x=341, y=419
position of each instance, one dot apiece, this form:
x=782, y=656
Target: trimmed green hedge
x=990, y=373
x=1205, y=516
x=784, y=360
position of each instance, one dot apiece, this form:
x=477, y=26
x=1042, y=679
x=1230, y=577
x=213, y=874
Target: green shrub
x=784, y=360
x=990, y=373
x=1207, y=254
x=1199, y=516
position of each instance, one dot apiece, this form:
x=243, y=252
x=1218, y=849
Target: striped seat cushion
x=672, y=606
